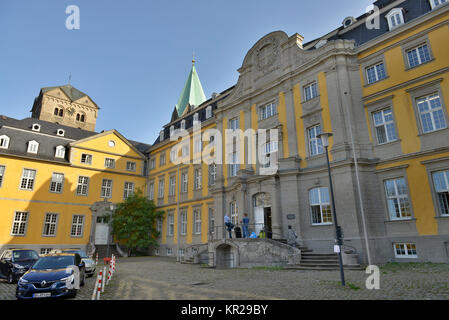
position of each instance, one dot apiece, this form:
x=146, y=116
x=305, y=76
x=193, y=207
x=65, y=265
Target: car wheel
x=10, y=278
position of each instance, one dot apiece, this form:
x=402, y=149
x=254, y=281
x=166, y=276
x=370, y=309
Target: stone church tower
x=66, y=105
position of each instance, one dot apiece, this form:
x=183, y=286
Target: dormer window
x=435, y=3
x=36, y=127
x=161, y=136
x=208, y=112
x=4, y=142
x=60, y=132
x=183, y=124
x=33, y=146
x=395, y=18
x=172, y=130
x=60, y=152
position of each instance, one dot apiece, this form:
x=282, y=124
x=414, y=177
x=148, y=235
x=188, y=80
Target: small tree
x=134, y=221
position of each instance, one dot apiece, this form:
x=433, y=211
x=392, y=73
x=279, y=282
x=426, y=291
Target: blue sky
x=133, y=57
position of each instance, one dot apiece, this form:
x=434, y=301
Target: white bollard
x=96, y=259
x=103, y=280
x=95, y=288
x=100, y=276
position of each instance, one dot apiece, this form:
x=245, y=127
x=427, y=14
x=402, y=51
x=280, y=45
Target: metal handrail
x=252, y=227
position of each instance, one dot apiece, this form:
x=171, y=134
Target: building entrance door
x=101, y=232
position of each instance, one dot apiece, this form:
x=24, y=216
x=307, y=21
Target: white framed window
x=431, y=113
x=233, y=166
x=208, y=112
x=172, y=130
x=198, y=146
x=109, y=163
x=185, y=151
x=57, y=182
x=33, y=147
x=436, y=3
x=60, y=152
x=384, y=126
x=82, y=187
x=86, y=158
x=233, y=210
x=27, y=181
x=170, y=224
x=441, y=184
x=174, y=155
x=4, y=142
x=320, y=206
x=152, y=163
x=311, y=91
x=77, y=226
x=405, y=250
x=172, y=186
x=268, y=149
x=106, y=188
x=234, y=123
x=212, y=174
x=375, y=73
x=397, y=199
x=211, y=220
x=60, y=132
x=181, y=252
x=151, y=191
x=130, y=166
x=418, y=55
x=159, y=225
x=161, y=136
x=169, y=251
x=19, y=224
x=128, y=190
x=315, y=144
x=395, y=18
x=162, y=159
x=50, y=225
x=2, y=174
x=197, y=221
x=161, y=189
x=198, y=179
x=184, y=182
x=183, y=124
x=183, y=218
x=267, y=111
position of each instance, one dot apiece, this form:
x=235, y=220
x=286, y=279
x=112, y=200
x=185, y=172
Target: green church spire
x=192, y=94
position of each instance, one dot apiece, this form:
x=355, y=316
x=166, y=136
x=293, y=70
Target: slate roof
x=47, y=138
x=72, y=92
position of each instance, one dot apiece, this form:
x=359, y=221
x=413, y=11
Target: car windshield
x=56, y=262
x=82, y=254
x=24, y=255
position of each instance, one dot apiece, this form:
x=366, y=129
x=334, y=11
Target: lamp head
x=325, y=138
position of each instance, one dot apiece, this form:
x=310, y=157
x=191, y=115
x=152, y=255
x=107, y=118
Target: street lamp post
x=338, y=234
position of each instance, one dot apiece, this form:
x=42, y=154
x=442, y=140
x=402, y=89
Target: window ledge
x=375, y=82
x=398, y=141
x=310, y=100
x=433, y=132
x=419, y=65
x=321, y=224
x=401, y=220
x=442, y=217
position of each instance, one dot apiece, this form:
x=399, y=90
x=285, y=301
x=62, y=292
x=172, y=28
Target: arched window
x=56, y=112
x=82, y=118
x=33, y=146
x=320, y=206
x=78, y=116
x=61, y=112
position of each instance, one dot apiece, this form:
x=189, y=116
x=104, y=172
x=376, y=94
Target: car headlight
x=18, y=266
x=68, y=279
x=22, y=281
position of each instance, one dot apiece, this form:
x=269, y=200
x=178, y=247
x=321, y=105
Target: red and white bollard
x=96, y=259
x=100, y=278
x=109, y=272
x=103, y=280
x=97, y=281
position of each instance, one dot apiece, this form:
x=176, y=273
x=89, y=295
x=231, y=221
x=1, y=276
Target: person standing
x=229, y=225
x=291, y=236
x=245, y=223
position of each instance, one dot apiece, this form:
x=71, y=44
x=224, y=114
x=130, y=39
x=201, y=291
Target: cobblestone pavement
x=161, y=278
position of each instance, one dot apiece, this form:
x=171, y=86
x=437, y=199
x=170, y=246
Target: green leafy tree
x=134, y=222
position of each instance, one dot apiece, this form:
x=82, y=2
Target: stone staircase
x=102, y=252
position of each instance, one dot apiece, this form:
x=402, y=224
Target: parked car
x=15, y=262
x=50, y=277
x=89, y=263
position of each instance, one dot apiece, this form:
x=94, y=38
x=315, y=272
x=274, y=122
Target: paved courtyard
x=163, y=279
